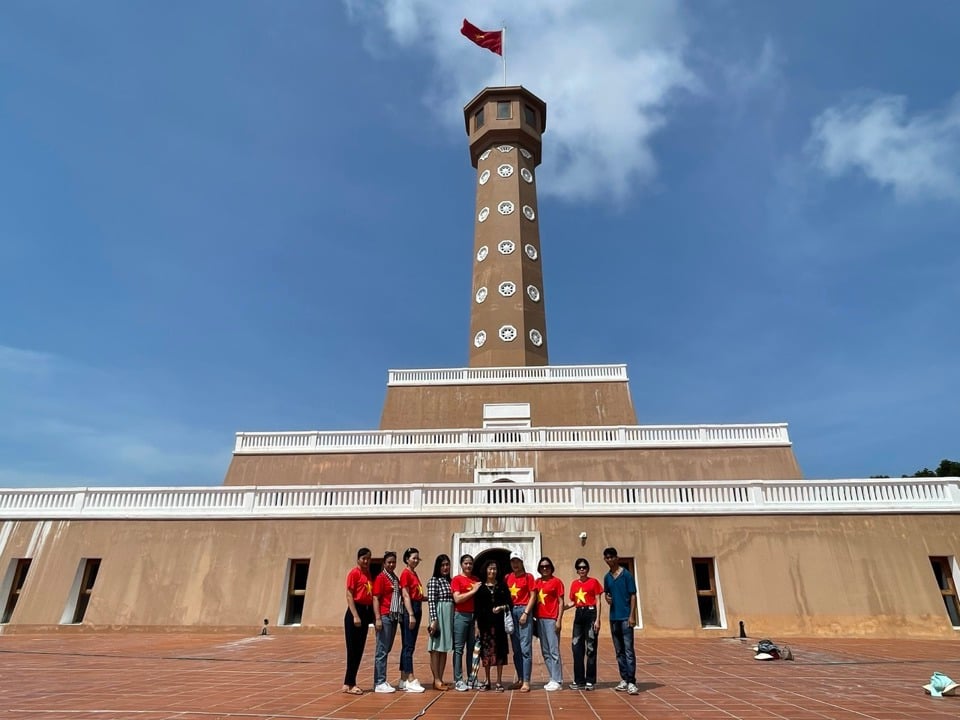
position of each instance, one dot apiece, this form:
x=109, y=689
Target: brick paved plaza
x=187, y=676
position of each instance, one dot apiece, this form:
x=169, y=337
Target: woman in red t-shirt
x=520, y=583
x=413, y=597
x=585, y=594
x=549, y=614
x=358, y=618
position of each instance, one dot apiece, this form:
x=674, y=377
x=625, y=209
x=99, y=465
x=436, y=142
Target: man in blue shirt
x=620, y=592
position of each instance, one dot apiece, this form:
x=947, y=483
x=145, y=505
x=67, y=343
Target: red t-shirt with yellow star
x=550, y=598
x=383, y=589
x=410, y=581
x=461, y=584
x=520, y=587
x=583, y=593
x=360, y=586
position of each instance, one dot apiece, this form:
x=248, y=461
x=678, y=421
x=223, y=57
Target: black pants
x=356, y=638
x=585, y=646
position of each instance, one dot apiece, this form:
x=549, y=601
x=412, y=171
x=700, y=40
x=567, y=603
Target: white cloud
x=917, y=156
x=18, y=361
x=607, y=71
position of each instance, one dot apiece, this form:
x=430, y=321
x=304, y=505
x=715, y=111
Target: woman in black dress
x=490, y=603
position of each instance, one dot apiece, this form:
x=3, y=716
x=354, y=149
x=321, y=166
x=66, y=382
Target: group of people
x=499, y=611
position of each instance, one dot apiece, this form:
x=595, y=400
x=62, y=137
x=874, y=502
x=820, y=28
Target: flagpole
x=503, y=51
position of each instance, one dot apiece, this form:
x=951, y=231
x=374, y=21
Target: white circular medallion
x=486, y=154
x=482, y=215
x=532, y=293
x=536, y=338
x=505, y=208
x=526, y=175
x=481, y=294
x=528, y=212
x=506, y=247
x=479, y=339
x=482, y=254
x=525, y=153
x=507, y=288
x=484, y=176
x=531, y=251
x=508, y=333
x=505, y=171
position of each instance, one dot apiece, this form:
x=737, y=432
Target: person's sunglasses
x=582, y=567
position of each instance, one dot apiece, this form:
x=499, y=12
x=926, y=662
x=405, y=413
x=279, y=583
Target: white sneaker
x=414, y=686
x=384, y=687
x=632, y=689
x=588, y=686
x=461, y=686
x=551, y=686
x=622, y=686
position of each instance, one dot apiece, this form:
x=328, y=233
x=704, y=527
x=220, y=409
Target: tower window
x=948, y=587
x=478, y=119
x=503, y=110
x=20, y=568
x=296, y=591
x=529, y=116
x=705, y=581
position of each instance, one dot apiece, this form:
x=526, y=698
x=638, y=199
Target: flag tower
x=507, y=320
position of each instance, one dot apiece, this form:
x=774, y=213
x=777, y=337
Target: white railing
x=544, y=438
x=509, y=375
x=744, y=497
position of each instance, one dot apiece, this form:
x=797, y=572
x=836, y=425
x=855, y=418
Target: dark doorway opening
x=498, y=555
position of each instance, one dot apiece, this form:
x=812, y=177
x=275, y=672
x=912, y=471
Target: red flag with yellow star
x=492, y=40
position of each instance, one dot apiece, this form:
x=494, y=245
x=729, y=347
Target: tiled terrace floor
x=187, y=676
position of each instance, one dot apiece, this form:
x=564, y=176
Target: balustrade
x=465, y=500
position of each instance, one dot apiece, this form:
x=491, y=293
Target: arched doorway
x=498, y=555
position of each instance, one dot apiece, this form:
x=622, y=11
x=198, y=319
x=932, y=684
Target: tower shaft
x=507, y=318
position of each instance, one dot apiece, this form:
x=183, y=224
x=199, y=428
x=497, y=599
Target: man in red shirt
x=585, y=592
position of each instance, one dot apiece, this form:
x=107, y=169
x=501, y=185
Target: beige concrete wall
x=783, y=576
x=551, y=404
x=680, y=464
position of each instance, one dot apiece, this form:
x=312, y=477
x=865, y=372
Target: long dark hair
x=437, y=563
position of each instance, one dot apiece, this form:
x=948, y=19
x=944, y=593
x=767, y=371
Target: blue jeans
x=522, y=641
x=550, y=648
x=408, y=637
x=622, y=632
x=462, y=638
x=385, y=637
x=585, y=646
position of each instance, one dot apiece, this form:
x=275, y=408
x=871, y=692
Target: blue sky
x=232, y=215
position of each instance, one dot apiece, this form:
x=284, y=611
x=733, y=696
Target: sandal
x=517, y=685
x=353, y=691
x=524, y=688
x=498, y=687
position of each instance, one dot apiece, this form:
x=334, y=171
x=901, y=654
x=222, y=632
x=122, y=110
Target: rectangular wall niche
x=80, y=591
x=16, y=575
x=708, y=593
x=943, y=571
x=297, y=572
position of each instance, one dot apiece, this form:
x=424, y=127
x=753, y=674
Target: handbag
x=508, y=621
